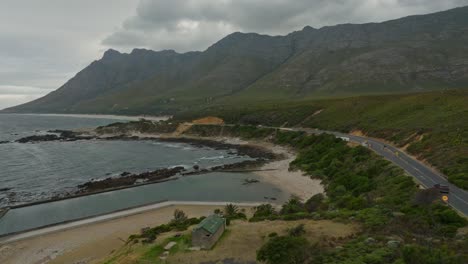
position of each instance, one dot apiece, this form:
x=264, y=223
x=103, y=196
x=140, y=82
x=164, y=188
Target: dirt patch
x=209, y=120
x=358, y=133
x=182, y=128
x=415, y=137
x=317, y=112
x=353, y=144
x=307, y=119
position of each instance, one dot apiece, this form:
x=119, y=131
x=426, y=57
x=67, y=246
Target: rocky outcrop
x=39, y=138
x=252, y=151
x=3, y=211
x=59, y=135
x=128, y=179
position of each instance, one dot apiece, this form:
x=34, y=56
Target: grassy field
x=432, y=126
x=148, y=253
x=240, y=242
x=244, y=239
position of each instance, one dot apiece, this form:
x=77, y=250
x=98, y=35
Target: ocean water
x=225, y=187
x=14, y=126
x=36, y=171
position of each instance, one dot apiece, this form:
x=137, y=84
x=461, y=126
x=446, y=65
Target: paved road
x=458, y=198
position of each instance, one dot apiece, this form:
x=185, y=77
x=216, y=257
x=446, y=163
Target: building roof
x=211, y=224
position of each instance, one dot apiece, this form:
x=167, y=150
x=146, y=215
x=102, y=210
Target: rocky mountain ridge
x=416, y=53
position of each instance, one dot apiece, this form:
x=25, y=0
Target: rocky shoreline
x=259, y=156
x=129, y=179
x=66, y=135
x=56, y=135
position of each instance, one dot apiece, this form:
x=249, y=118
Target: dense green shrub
x=364, y=187
x=374, y=217
x=416, y=254
x=297, y=231
x=285, y=250
x=292, y=206
x=315, y=203
x=180, y=223
x=361, y=185
x=264, y=210
x=232, y=212
x=273, y=234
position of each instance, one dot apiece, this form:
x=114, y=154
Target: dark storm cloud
x=194, y=24
x=44, y=43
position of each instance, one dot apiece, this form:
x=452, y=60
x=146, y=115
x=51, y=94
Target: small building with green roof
x=207, y=233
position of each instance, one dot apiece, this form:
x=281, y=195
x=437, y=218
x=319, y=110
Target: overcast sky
x=45, y=43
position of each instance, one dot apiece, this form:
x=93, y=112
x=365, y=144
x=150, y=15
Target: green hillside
x=432, y=126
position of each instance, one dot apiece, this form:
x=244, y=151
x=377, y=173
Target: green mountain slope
x=417, y=53
x=432, y=126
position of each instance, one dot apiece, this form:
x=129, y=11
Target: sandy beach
x=91, y=242
x=293, y=182
x=278, y=174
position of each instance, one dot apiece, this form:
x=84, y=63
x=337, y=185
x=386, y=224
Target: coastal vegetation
x=365, y=188
x=142, y=126
x=239, y=243
x=399, y=223
x=180, y=222
x=285, y=249
x=431, y=126
x=231, y=212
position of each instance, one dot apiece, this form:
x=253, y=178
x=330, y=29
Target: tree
x=231, y=211
x=314, y=203
x=264, y=210
x=292, y=206
x=179, y=216
x=285, y=250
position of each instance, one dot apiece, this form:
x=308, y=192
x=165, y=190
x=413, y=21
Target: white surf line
x=112, y=216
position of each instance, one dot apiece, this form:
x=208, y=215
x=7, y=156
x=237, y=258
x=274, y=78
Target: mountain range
x=410, y=54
